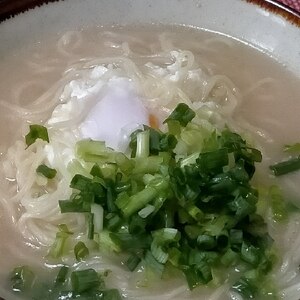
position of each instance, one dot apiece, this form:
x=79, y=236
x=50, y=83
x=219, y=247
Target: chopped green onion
x=236, y=236
x=160, y=141
x=295, y=148
x=167, y=142
x=195, y=212
x=193, y=277
x=157, y=142
x=191, y=159
x=158, y=253
x=36, y=132
x=109, y=170
x=161, y=239
x=110, y=197
x=174, y=256
x=113, y=221
x=205, y=270
x=122, y=200
x=182, y=113
x=286, y=167
x=61, y=276
x=76, y=167
x=80, y=251
x=127, y=241
x=222, y=239
x=137, y=225
x=142, y=144
x=122, y=187
x=146, y=211
x=85, y=280
x=216, y=226
x=142, y=198
x=73, y=206
x=229, y=257
x=166, y=235
x=250, y=254
x=96, y=171
x=84, y=184
x=206, y=242
x=278, y=205
x=195, y=257
x=107, y=242
x=245, y=288
x=153, y=264
x=22, y=279
x=132, y=262
x=46, y=171
x=193, y=231
x=149, y=165
x=242, y=207
x=183, y=200
x=124, y=163
x=58, y=246
x=213, y=161
x=94, y=151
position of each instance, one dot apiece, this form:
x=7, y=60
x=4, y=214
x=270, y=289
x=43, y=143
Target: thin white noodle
x=163, y=80
x=258, y=85
x=65, y=42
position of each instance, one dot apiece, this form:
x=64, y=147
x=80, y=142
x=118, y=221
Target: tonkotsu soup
x=146, y=163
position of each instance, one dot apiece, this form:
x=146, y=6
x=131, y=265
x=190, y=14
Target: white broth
x=33, y=80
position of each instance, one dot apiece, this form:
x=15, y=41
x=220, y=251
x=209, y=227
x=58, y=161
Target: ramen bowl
x=74, y=74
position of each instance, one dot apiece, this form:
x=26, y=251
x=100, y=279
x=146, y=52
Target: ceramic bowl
x=262, y=24
x=269, y=27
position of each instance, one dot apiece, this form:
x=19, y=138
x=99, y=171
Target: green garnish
x=85, y=280
x=246, y=288
x=81, y=251
x=46, y=171
x=22, y=279
x=132, y=262
x=183, y=199
x=287, y=166
x=182, y=113
x=36, y=132
x=87, y=191
x=155, y=140
x=278, y=205
x=81, y=284
x=191, y=212
x=57, y=248
x=132, y=204
x=61, y=276
x=294, y=148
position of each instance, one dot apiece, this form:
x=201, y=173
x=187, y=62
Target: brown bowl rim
x=10, y=9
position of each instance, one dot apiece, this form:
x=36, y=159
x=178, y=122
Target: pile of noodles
x=167, y=78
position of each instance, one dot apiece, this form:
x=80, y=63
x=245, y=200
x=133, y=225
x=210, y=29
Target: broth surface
x=272, y=107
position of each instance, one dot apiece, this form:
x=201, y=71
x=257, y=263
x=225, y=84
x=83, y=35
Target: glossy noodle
x=60, y=84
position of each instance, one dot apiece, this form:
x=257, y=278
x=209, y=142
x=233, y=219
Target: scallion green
x=36, y=132
x=46, y=171
x=81, y=251
x=85, y=280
